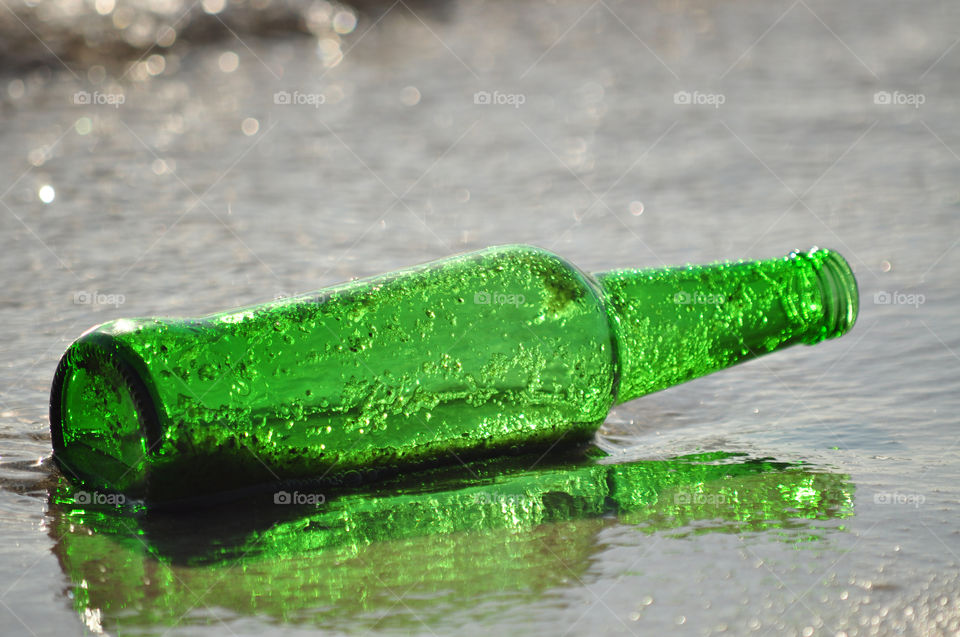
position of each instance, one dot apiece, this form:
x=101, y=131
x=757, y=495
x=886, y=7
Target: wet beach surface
x=247, y=157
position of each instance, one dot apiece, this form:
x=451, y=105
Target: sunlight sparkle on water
x=250, y=126
x=228, y=62
x=344, y=22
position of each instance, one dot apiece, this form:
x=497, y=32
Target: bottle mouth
x=838, y=291
x=100, y=415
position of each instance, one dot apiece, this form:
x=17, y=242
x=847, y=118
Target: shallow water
x=199, y=192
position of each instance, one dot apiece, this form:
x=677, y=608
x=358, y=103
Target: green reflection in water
x=454, y=535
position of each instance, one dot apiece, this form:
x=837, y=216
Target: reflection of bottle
x=492, y=528
x=507, y=347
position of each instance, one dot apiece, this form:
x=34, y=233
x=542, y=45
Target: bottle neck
x=676, y=324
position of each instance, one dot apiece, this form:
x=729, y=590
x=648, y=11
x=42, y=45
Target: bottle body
x=506, y=347
x=509, y=347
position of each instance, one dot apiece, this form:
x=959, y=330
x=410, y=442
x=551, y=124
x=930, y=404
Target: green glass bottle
x=508, y=347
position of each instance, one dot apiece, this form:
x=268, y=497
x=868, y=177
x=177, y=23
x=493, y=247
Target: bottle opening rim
x=839, y=291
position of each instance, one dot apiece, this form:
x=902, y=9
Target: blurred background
x=162, y=157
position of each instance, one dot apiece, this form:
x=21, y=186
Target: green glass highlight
x=494, y=527
x=505, y=348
